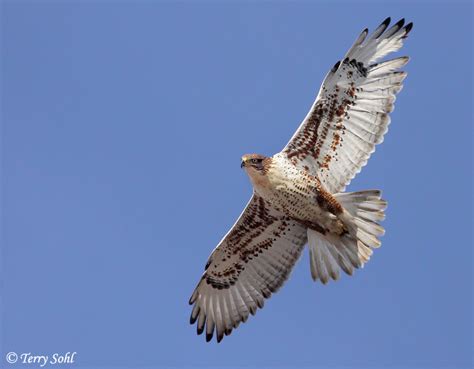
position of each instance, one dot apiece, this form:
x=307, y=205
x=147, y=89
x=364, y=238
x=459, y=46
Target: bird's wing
x=250, y=263
x=351, y=112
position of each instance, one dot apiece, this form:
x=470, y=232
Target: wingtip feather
x=387, y=21
x=209, y=337
x=408, y=28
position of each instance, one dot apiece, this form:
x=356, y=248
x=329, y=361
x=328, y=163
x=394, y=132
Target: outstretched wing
x=250, y=263
x=350, y=114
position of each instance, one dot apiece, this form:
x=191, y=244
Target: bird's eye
x=255, y=161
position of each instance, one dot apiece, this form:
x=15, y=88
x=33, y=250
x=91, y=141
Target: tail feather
x=362, y=212
x=323, y=258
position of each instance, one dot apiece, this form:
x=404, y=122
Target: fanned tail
x=328, y=253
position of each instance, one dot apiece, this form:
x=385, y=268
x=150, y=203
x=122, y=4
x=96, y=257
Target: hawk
x=299, y=196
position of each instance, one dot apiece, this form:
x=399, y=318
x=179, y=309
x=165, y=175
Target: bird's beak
x=242, y=164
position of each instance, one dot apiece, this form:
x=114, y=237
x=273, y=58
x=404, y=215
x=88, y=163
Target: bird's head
x=253, y=162
x=256, y=166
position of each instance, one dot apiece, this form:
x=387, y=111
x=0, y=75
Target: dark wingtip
x=200, y=330
x=208, y=337
x=192, y=320
x=336, y=66
x=386, y=22
x=408, y=28
x=400, y=23
x=365, y=32
x=220, y=337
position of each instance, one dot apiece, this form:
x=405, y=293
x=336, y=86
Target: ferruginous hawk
x=298, y=193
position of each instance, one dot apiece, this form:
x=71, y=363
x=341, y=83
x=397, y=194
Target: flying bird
x=298, y=194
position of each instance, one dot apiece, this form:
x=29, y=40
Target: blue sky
x=123, y=124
